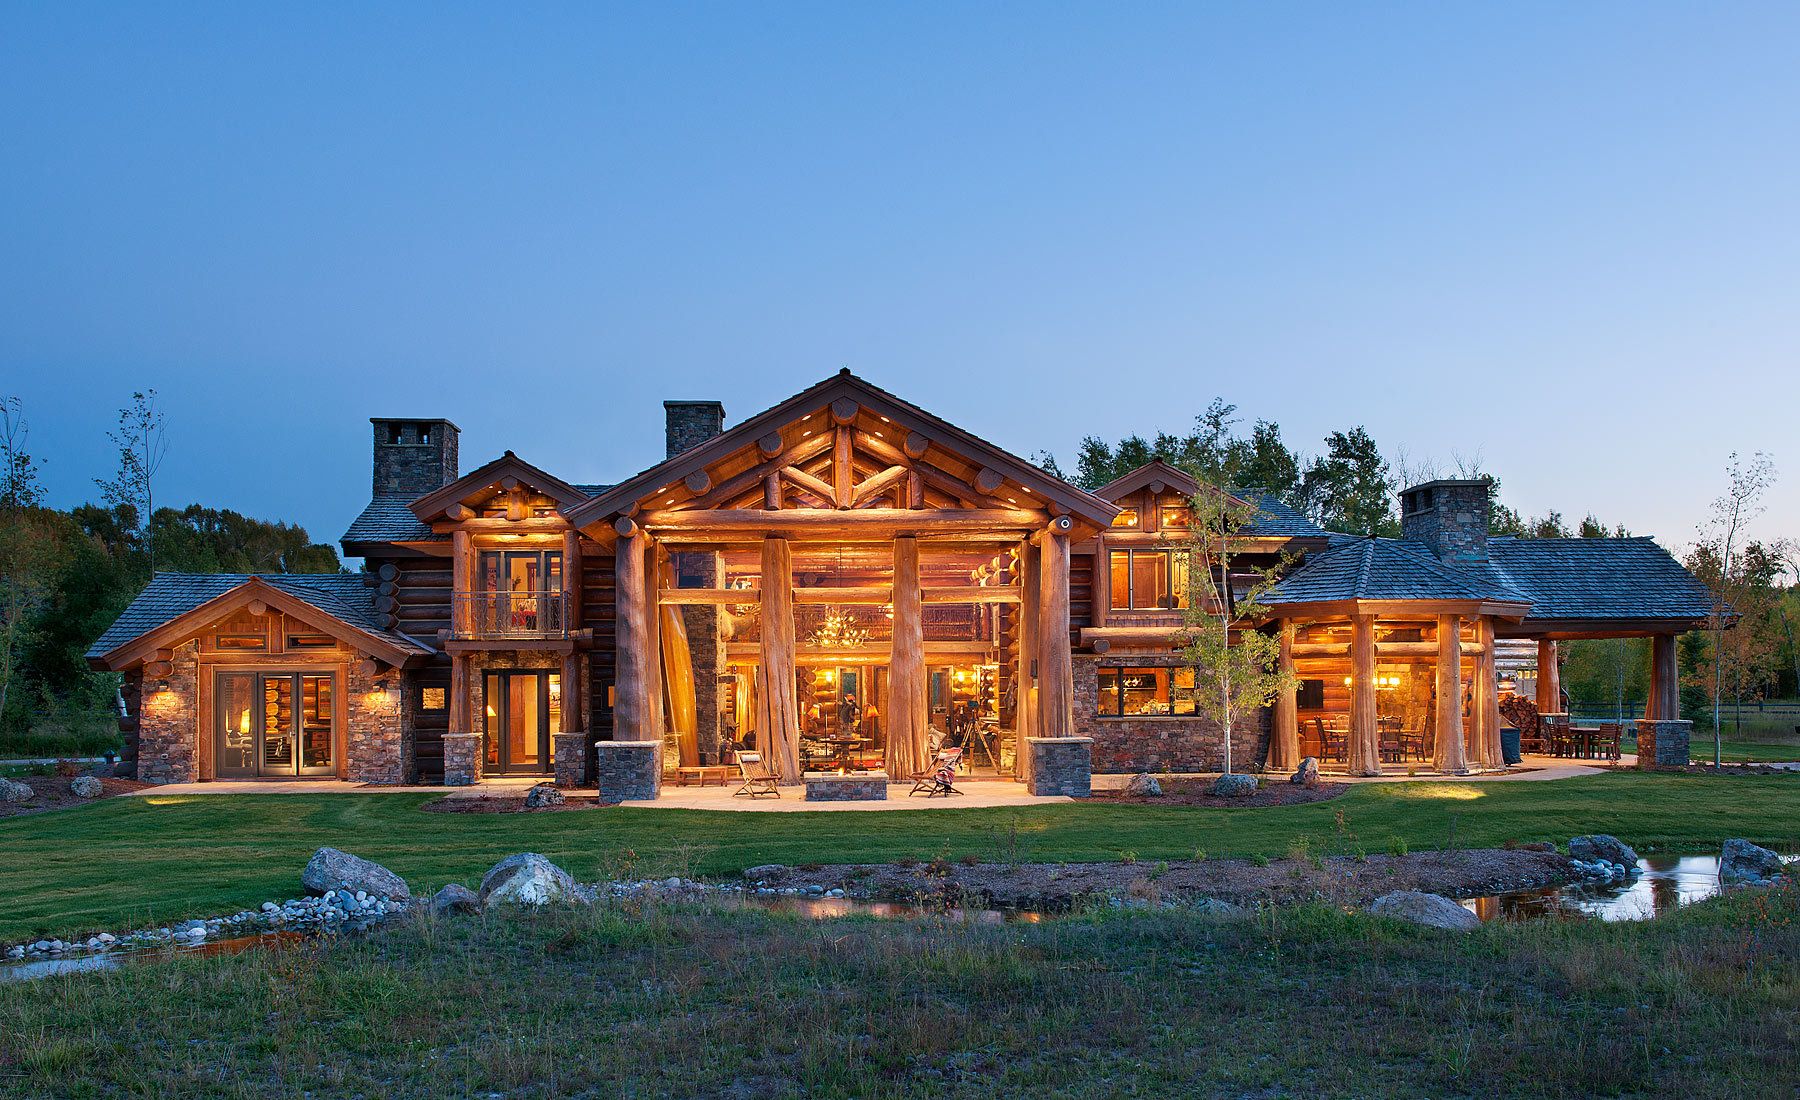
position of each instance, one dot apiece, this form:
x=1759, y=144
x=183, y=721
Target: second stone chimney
x=691, y=423
x=1449, y=516
x=413, y=457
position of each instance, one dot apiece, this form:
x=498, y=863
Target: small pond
x=1662, y=885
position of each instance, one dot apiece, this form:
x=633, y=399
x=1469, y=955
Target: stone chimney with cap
x=1449, y=516
x=413, y=457
x=691, y=423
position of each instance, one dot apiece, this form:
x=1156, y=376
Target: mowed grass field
x=130, y=862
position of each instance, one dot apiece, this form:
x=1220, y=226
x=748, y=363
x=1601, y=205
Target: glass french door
x=274, y=724
x=522, y=710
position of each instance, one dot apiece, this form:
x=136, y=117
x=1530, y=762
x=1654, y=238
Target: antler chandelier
x=838, y=629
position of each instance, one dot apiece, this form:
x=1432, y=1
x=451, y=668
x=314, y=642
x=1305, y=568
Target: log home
x=842, y=582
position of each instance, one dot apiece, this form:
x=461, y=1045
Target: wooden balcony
x=511, y=616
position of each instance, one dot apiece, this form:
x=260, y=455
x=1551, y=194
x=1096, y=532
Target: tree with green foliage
x=142, y=439
x=1223, y=597
x=1738, y=580
x=1213, y=451
x=1349, y=488
x=26, y=585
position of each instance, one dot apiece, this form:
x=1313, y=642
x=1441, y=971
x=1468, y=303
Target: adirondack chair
x=759, y=780
x=940, y=778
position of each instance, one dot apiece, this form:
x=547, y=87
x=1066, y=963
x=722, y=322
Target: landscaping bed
x=52, y=792
x=1198, y=792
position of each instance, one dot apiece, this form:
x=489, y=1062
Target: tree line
x=65, y=574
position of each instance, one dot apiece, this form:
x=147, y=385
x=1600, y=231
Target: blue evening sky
x=1564, y=237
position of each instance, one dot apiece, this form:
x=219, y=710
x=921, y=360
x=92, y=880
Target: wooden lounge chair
x=759, y=780
x=939, y=779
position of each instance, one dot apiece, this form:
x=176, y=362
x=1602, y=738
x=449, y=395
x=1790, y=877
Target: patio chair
x=1606, y=741
x=759, y=780
x=940, y=778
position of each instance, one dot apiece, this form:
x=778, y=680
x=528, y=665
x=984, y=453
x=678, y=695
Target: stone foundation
x=462, y=759
x=628, y=771
x=168, y=730
x=1061, y=765
x=377, y=737
x=1663, y=744
x=1158, y=743
x=571, y=752
x=864, y=787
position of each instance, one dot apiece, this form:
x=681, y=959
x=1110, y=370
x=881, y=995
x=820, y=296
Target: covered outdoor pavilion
x=843, y=528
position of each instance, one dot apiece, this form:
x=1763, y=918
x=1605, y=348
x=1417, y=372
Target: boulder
x=455, y=898
x=1234, y=785
x=15, y=792
x=332, y=869
x=86, y=786
x=543, y=795
x=1430, y=910
x=530, y=879
x=1742, y=863
x=1308, y=775
x=1601, y=846
x=1143, y=785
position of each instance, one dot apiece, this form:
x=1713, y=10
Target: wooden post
x=571, y=582
x=653, y=641
x=1056, y=673
x=1284, y=750
x=1665, y=680
x=1549, y=681
x=462, y=582
x=1487, y=700
x=631, y=653
x=1025, y=722
x=1451, y=751
x=1365, y=738
x=907, y=703
x=778, y=721
x=574, y=714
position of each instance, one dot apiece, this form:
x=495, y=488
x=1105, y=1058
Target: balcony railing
x=526, y=614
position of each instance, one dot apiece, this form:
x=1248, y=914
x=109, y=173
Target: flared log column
x=653, y=570
x=1365, y=740
x=778, y=723
x=1284, y=750
x=1056, y=672
x=632, y=647
x=1487, y=700
x=1664, y=703
x=906, y=707
x=1549, y=681
x=1026, y=706
x=1451, y=753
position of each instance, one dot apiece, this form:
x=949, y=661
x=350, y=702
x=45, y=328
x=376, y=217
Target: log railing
x=532, y=614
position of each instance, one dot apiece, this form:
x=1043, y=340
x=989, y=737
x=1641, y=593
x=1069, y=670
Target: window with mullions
x=1146, y=692
x=1149, y=580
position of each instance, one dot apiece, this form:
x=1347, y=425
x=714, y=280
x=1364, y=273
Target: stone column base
x=1061, y=765
x=628, y=771
x=1663, y=743
x=571, y=752
x=462, y=759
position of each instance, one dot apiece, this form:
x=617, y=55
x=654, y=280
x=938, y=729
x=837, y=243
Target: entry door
x=274, y=725
x=522, y=710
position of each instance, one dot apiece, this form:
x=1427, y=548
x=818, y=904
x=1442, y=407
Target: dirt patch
x=1339, y=880
x=504, y=805
x=1198, y=792
x=52, y=793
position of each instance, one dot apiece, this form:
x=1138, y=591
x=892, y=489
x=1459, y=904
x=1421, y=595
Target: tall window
x=521, y=571
x=1149, y=580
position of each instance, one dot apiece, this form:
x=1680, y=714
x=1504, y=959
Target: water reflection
x=1664, y=884
x=828, y=908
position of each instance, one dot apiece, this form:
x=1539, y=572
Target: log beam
x=876, y=484
x=867, y=522
x=1549, y=681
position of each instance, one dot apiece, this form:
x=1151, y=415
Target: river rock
x=455, y=898
x=1430, y=910
x=1601, y=846
x=765, y=871
x=1308, y=774
x=1143, y=785
x=542, y=796
x=86, y=786
x=531, y=879
x=332, y=869
x=1234, y=785
x=1742, y=863
x=15, y=792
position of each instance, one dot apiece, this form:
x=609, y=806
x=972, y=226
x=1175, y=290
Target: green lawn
x=627, y=1000
x=126, y=862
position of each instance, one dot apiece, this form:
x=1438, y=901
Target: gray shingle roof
x=1598, y=579
x=1385, y=569
x=388, y=519
x=1276, y=518
x=168, y=596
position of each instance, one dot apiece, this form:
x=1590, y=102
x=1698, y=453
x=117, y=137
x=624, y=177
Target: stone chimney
x=691, y=423
x=1451, y=517
x=413, y=457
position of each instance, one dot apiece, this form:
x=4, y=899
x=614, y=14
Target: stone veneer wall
x=1663, y=744
x=1060, y=765
x=462, y=759
x=378, y=740
x=1153, y=744
x=571, y=750
x=628, y=770
x=168, y=727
